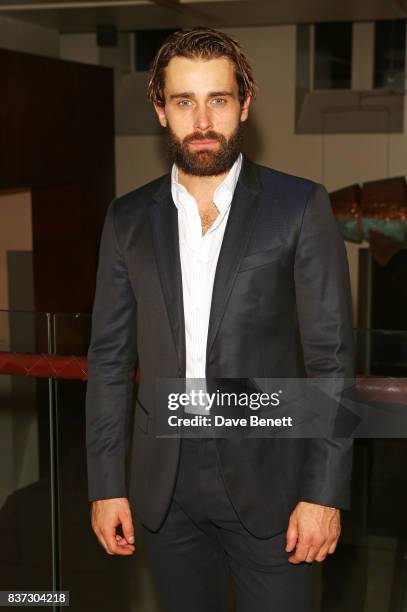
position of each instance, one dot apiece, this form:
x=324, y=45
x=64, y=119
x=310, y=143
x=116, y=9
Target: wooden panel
x=57, y=139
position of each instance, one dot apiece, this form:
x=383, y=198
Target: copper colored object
x=346, y=201
x=385, y=199
x=376, y=212
x=382, y=389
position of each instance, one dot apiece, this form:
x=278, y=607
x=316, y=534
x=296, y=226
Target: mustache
x=207, y=136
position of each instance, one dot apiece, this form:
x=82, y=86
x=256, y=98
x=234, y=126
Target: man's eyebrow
x=190, y=94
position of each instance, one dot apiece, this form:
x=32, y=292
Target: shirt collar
x=223, y=193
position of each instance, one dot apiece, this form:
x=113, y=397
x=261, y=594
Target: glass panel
x=71, y=333
x=333, y=55
x=389, y=53
x=368, y=571
x=26, y=511
x=95, y=579
x=381, y=353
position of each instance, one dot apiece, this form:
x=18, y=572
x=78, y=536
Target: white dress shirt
x=199, y=256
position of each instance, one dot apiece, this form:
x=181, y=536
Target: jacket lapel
x=164, y=221
x=238, y=230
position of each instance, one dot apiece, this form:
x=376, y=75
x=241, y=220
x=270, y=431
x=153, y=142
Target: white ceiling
x=84, y=15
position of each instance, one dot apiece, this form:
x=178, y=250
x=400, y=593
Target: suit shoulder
x=139, y=197
x=287, y=184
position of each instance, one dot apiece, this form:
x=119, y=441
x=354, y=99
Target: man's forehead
x=183, y=70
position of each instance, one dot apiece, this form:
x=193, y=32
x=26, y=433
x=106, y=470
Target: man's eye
x=181, y=102
x=219, y=100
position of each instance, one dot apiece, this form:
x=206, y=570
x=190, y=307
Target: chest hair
x=208, y=214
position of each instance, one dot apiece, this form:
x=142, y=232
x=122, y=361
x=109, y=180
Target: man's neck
x=201, y=187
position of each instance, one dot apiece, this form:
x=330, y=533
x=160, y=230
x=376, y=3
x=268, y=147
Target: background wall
x=15, y=235
x=31, y=38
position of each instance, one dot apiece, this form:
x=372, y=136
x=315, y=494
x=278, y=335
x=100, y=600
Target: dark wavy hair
x=204, y=43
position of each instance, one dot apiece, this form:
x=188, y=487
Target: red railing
x=43, y=365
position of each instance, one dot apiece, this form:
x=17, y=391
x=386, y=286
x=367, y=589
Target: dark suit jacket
x=281, y=307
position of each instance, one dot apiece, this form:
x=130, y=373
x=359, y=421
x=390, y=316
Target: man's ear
x=244, y=111
x=160, y=114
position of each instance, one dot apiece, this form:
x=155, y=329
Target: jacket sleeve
x=112, y=358
x=324, y=310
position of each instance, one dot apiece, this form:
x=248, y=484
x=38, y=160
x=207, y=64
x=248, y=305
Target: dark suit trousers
x=202, y=543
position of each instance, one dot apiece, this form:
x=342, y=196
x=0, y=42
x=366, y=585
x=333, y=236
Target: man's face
x=202, y=114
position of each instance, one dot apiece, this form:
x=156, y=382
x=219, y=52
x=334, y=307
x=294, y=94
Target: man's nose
x=202, y=119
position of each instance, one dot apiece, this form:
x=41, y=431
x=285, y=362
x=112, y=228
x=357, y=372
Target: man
x=220, y=269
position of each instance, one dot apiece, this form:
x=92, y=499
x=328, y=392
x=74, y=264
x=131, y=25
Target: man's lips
x=202, y=143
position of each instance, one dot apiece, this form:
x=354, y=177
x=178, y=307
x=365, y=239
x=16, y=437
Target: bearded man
x=222, y=268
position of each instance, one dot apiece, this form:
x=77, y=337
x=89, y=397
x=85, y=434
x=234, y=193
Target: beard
x=205, y=162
